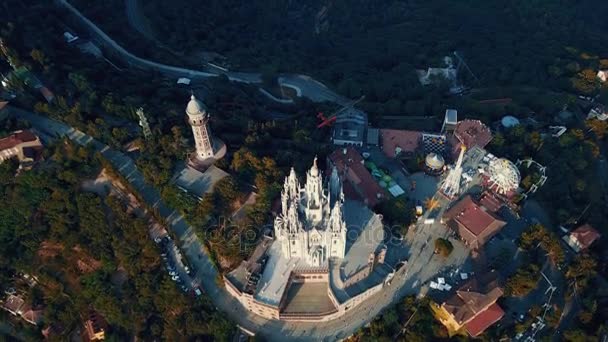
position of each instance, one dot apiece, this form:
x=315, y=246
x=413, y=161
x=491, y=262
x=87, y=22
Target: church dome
x=195, y=107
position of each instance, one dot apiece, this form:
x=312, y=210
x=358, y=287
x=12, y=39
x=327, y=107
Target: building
x=94, y=327
x=450, y=121
x=598, y=112
x=198, y=183
x=23, y=145
x=400, y=143
x=207, y=148
x=470, y=133
x=17, y=306
x=473, y=307
x=48, y=95
x=350, y=127
x=602, y=75
x=473, y=222
x=582, y=237
x=358, y=182
x=373, y=136
x=14, y=305
x=31, y=315
x=311, y=226
x=311, y=270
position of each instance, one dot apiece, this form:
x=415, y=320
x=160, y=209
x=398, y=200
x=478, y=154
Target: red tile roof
x=349, y=164
x=490, y=202
x=473, y=133
x=484, y=320
x=408, y=141
x=16, y=138
x=32, y=316
x=48, y=95
x=473, y=216
x=585, y=235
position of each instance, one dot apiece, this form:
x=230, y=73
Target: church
x=311, y=226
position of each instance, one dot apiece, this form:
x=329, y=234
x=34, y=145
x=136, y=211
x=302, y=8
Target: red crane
x=328, y=121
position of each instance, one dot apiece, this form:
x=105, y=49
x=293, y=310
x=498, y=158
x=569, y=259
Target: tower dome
x=195, y=107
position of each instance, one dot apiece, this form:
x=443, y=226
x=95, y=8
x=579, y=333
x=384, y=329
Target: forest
x=89, y=252
x=373, y=48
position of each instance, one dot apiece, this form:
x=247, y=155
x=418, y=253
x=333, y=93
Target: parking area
x=176, y=265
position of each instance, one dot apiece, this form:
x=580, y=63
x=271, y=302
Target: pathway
x=308, y=87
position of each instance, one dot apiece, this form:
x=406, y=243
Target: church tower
x=199, y=120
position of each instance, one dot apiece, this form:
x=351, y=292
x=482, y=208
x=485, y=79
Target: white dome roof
x=195, y=107
x=509, y=121
x=434, y=161
x=504, y=175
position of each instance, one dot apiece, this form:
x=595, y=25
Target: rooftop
x=273, y=281
x=472, y=216
x=350, y=125
x=365, y=236
x=199, y=183
x=585, y=235
x=16, y=139
x=395, y=141
x=349, y=164
x=13, y=304
x=490, y=202
x=473, y=133
x=484, y=320
x=473, y=298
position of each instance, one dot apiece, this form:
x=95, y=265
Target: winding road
x=305, y=85
x=402, y=284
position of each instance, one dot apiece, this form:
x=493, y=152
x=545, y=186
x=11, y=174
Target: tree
x=38, y=56
x=443, y=247
x=523, y=281
x=599, y=127
x=582, y=270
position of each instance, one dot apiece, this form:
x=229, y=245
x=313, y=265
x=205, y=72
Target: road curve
x=310, y=88
x=206, y=273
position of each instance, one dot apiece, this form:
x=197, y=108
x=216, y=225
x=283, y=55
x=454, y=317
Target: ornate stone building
x=311, y=225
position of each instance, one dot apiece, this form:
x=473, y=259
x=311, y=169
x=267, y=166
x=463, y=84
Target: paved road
x=423, y=263
x=308, y=87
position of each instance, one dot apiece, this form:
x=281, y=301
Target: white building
x=311, y=225
x=206, y=147
x=599, y=112
x=602, y=75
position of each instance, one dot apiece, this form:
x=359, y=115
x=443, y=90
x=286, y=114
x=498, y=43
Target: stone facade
x=311, y=226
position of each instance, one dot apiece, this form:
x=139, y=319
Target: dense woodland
x=50, y=227
x=373, y=48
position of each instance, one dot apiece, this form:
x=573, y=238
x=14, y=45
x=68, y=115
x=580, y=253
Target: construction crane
x=328, y=121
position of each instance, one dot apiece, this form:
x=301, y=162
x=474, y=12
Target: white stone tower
x=199, y=120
